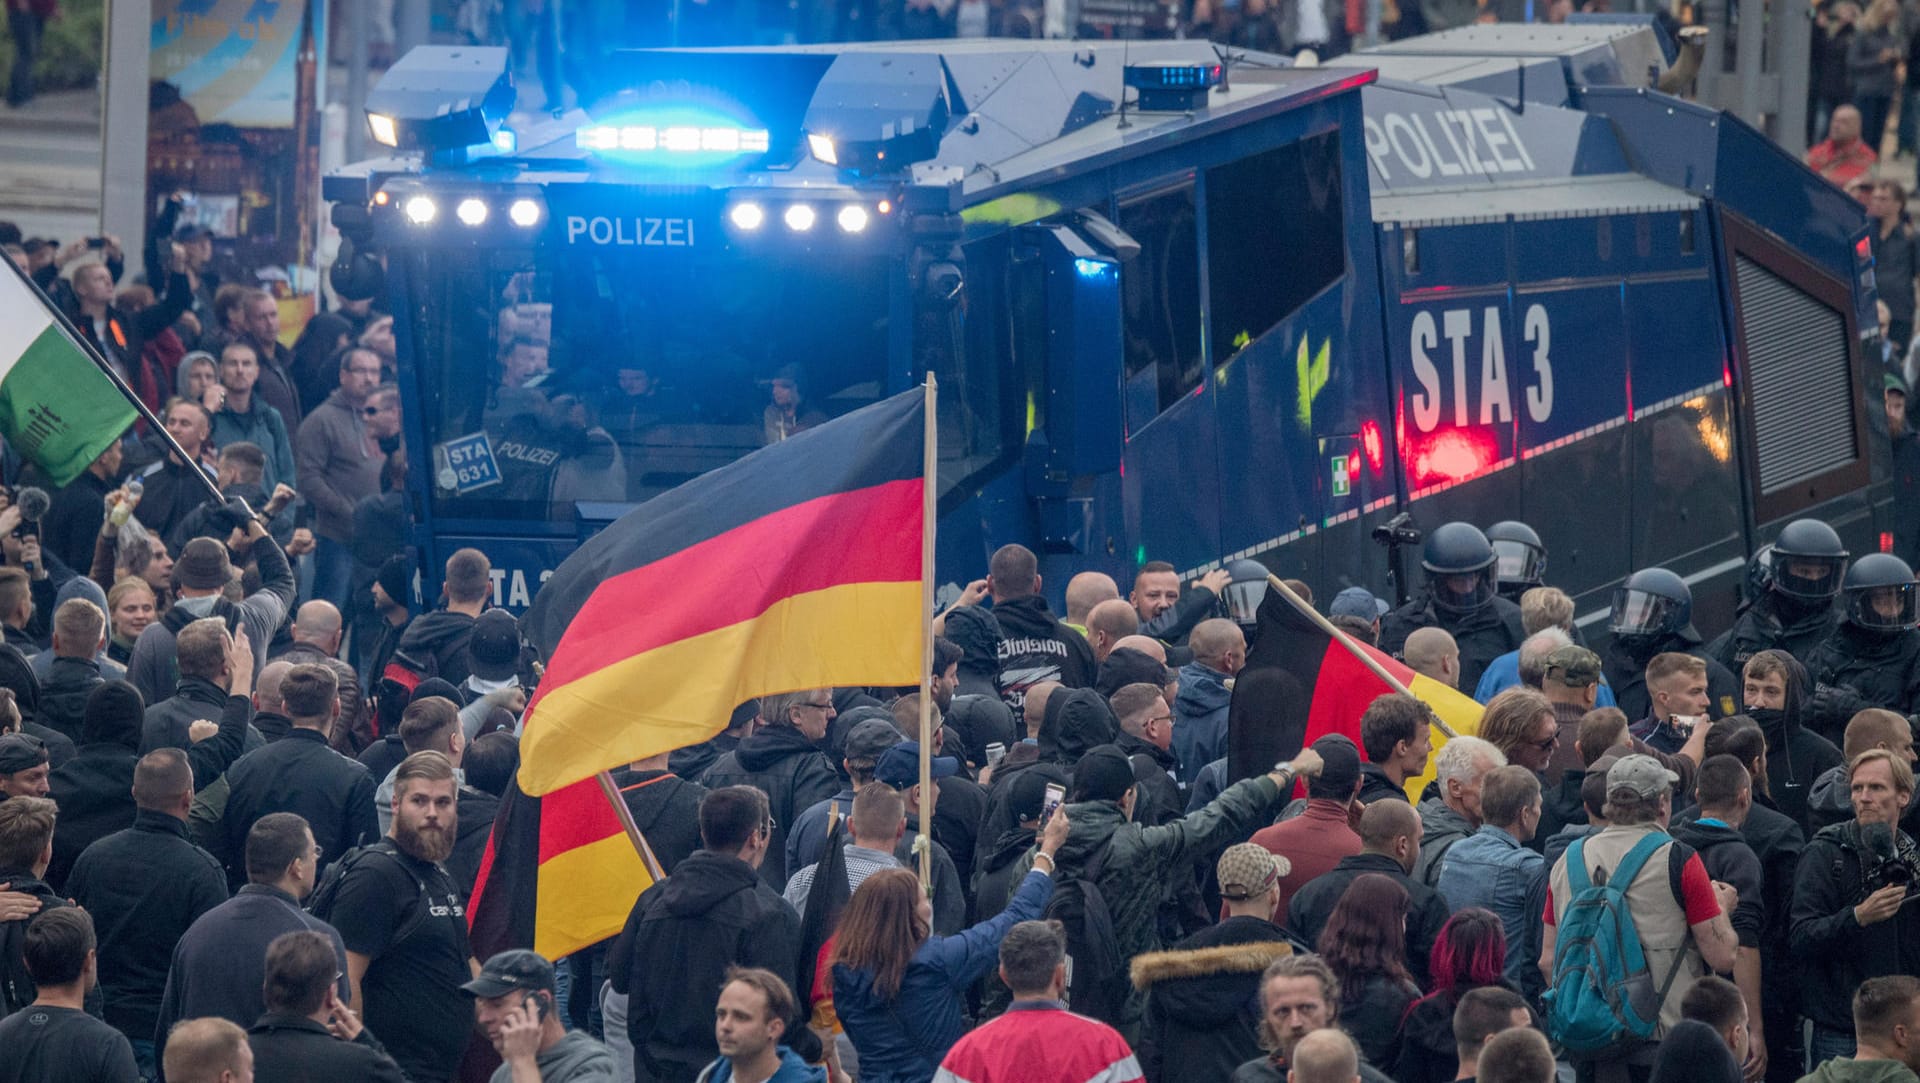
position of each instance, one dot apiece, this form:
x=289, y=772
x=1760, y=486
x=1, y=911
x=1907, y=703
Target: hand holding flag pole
x=1277, y=584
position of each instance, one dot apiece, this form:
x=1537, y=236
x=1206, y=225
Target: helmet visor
x=1639, y=613
x=1518, y=562
x=1887, y=609
x=1813, y=578
x=1242, y=600
x=1462, y=592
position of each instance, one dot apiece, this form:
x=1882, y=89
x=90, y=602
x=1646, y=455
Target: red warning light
x=1863, y=248
x=1370, y=442
x=1453, y=455
x=1886, y=541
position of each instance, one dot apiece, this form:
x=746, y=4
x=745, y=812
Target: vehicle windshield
x=597, y=376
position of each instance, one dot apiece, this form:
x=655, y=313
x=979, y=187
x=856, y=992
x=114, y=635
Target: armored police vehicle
x=1183, y=304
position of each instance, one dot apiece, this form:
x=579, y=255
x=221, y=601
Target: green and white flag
x=57, y=409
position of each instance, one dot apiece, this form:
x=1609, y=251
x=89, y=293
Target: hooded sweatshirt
x=1796, y=757
x=442, y=636
x=975, y=631
x=1036, y=647
x=575, y=1058
x=1693, y=1052
x=1200, y=718
x=790, y=769
x=1442, y=827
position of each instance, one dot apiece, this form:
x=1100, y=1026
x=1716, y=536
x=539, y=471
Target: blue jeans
x=332, y=571
x=27, y=29
x=1827, y=1044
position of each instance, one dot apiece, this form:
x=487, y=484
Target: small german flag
x=1300, y=684
x=796, y=567
x=559, y=874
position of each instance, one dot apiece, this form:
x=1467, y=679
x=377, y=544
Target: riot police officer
x=1653, y=614
x=1460, y=597
x=1796, y=613
x=1520, y=558
x=1873, y=658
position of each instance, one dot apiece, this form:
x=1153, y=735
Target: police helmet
x=1808, y=560
x=1245, y=591
x=1520, y=556
x=1759, y=578
x=1459, y=562
x=1652, y=602
x=1881, y=593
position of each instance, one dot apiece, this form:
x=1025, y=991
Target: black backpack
x=320, y=904
x=1097, y=982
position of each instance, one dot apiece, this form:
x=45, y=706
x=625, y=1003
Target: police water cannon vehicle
x=1184, y=304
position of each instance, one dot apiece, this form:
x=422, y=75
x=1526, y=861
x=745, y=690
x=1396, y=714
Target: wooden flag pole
x=929, y=500
x=625, y=814
x=1274, y=582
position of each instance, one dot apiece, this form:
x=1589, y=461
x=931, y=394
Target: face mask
x=1768, y=717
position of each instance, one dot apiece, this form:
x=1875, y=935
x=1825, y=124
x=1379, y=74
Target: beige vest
x=1657, y=915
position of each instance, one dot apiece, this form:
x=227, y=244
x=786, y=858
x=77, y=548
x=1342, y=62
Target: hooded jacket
x=1835, y=952
x=1853, y=1070
x=263, y=427
x=1203, y=999
x=1441, y=827
x=17, y=988
x=338, y=466
x=1200, y=718
x=1153, y=768
x=441, y=634
x=1728, y=858
x=1768, y=624
x=997, y=871
x=1484, y=634
x=1778, y=843
x=712, y=913
x=974, y=630
x=1036, y=647
x=782, y=763
x=1427, y=1052
x=792, y=1070
x=1076, y=720
x=575, y=1058
x=1142, y=861
x=63, y=695
x=1693, y=1052
x=1626, y=673
x=154, y=666
x=1796, y=756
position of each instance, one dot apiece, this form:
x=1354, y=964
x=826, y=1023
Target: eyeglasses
x=827, y=706
x=1547, y=744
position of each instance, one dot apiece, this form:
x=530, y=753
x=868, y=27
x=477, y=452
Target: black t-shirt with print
x=44, y=1044
x=413, y=1003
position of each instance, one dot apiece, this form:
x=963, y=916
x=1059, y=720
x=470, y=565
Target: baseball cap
x=1577, y=666
x=510, y=970
x=1341, y=773
x=493, y=648
x=1248, y=870
x=1357, y=602
x=1641, y=775
x=191, y=231
x=1103, y=774
x=868, y=739
x=1892, y=382
x=899, y=766
x=21, y=752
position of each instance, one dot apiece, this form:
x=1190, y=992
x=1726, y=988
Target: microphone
x=1878, y=839
x=34, y=504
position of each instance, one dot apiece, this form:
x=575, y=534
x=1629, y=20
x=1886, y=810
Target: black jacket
x=1626, y=673
x=1482, y=635
x=1203, y=1000
x=219, y=966
x=1171, y=627
x=442, y=636
x=1312, y=905
x=712, y=913
x=1728, y=858
x=782, y=763
x=667, y=809
x=172, y=493
x=1884, y=671
x=63, y=696
x=73, y=522
x=1836, y=953
x=299, y=773
x=475, y=810
x=1161, y=799
x=1375, y=785
x=999, y=870
x=17, y=988
x=95, y=789
x=1777, y=841
x=1767, y=625
x=295, y=1049
x=1427, y=1052
x=1036, y=647
x=144, y=887
x=1796, y=756
x=382, y=756
x=193, y=698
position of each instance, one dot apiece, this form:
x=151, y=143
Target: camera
x=1398, y=530
x=1887, y=872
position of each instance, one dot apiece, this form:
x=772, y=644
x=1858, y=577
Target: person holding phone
x=513, y=1002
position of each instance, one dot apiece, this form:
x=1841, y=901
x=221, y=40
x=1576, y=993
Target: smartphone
x=1686, y=721
x=1053, y=796
x=538, y=1002
x=96, y=242
x=995, y=753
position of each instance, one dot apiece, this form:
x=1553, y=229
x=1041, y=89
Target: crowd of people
x=228, y=851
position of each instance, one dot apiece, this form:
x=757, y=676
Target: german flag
x=1299, y=685
x=795, y=567
x=559, y=873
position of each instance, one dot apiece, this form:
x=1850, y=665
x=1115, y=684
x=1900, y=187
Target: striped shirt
x=861, y=863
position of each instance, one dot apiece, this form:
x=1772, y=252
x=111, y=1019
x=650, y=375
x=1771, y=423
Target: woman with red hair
x=1470, y=952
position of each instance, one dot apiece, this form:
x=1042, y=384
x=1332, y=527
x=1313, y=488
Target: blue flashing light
x=671, y=139
x=1174, y=76
x=505, y=140
x=1091, y=268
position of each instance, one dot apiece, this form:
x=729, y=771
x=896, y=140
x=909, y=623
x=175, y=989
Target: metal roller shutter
x=1798, y=376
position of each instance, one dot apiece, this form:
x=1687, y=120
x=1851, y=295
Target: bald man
x=1108, y=623
x=1324, y=1056
x=1200, y=707
x=316, y=633
x=1433, y=652
x=1084, y=591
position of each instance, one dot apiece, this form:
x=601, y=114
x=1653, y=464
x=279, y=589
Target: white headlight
x=421, y=209
x=853, y=218
x=385, y=132
x=471, y=211
x=799, y=217
x=747, y=216
x=524, y=212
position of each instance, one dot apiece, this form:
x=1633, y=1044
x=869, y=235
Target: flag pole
x=1340, y=637
x=625, y=814
x=86, y=347
x=929, y=499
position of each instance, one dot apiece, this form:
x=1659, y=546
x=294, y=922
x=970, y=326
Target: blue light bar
x=674, y=139
x=1173, y=76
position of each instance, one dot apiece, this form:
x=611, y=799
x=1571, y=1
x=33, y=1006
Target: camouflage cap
x=1575, y=667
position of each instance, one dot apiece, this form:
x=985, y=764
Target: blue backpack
x=1603, y=995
